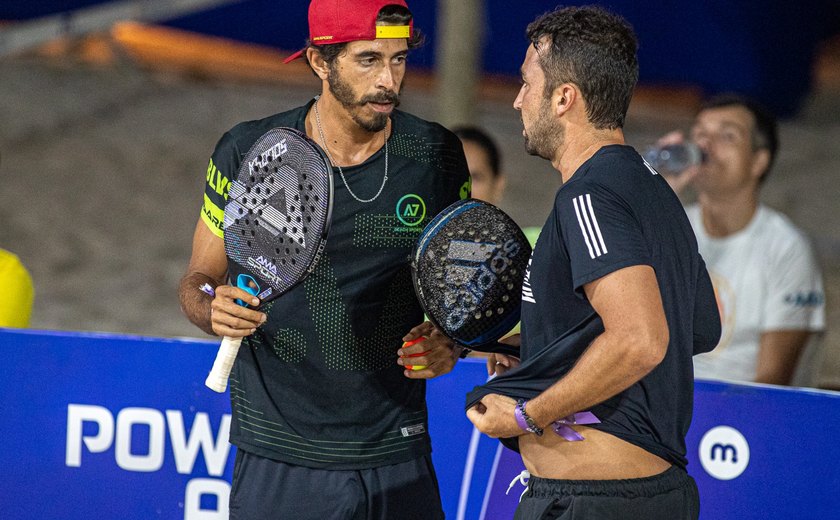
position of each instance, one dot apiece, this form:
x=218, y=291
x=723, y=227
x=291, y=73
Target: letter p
x=77, y=415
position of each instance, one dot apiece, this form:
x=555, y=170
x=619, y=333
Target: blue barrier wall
x=764, y=48
x=123, y=427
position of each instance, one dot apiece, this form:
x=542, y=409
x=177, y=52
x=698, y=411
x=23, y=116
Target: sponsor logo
x=217, y=180
x=266, y=268
x=262, y=159
x=804, y=299
x=465, y=189
x=589, y=226
x=414, y=429
x=476, y=269
x=527, y=291
x=724, y=452
x=137, y=439
x=411, y=210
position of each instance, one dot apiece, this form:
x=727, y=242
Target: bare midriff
x=600, y=456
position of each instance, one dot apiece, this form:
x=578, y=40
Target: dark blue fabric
x=613, y=213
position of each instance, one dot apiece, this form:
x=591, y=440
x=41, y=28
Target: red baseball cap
x=340, y=21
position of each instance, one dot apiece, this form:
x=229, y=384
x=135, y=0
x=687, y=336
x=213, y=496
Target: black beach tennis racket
x=276, y=222
x=468, y=267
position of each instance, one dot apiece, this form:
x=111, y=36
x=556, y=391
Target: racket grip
x=217, y=380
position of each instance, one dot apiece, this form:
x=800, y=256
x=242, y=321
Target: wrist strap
x=524, y=420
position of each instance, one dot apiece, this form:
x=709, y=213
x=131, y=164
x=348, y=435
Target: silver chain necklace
x=340, y=171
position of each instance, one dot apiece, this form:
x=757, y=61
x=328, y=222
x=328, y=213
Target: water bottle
x=673, y=158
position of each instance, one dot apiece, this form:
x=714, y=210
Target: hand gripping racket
x=468, y=267
x=276, y=222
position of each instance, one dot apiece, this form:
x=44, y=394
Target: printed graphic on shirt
x=589, y=226
x=378, y=231
x=804, y=299
x=527, y=292
x=344, y=349
x=212, y=210
x=411, y=209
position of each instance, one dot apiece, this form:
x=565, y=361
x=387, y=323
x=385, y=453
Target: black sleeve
x=601, y=233
x=707, y=326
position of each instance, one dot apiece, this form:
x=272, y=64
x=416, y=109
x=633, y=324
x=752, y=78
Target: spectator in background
x=767, y=282
x=17, y=291
x=484, y=162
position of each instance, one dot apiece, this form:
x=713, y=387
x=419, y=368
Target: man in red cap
x=327, y=420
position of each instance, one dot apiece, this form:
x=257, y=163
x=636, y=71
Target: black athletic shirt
x=616, y=212
x=318, y=384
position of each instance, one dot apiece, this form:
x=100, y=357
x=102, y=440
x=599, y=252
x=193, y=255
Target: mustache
x=382, y=97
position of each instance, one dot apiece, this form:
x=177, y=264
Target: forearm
x=609, y=366
x=778, y=355
x=195, y=303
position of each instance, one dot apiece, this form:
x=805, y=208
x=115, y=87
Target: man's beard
x=343, y=92
x=545, y=135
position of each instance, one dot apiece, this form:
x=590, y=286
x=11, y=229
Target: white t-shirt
x=766, y=278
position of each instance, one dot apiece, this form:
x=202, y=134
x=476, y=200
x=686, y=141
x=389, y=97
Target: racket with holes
x=468, y=267
x=276, y=222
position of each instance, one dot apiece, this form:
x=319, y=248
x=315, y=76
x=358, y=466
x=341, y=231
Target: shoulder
x=777, y=227
x=246, y=133
x=779, y=236
x=409, y=128
x=428, y=144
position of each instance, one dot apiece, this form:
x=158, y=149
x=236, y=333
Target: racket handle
x=217, y=380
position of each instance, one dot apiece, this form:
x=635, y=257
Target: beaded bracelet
x=524, y=420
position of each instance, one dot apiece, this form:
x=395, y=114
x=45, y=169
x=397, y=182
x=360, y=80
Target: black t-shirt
x=616, y=212
x=318, y=384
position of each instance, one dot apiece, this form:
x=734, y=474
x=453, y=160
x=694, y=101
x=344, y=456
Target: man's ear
x=316, y=61
x=760, y=163
x=563, y=98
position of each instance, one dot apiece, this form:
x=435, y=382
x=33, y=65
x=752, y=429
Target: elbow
x=650, y=347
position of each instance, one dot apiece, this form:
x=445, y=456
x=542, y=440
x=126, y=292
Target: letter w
x=201, y=436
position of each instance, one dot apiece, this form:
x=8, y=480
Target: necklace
x=340, y=171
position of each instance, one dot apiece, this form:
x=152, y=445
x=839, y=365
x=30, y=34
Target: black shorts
x=266, y=489
x=671, y=495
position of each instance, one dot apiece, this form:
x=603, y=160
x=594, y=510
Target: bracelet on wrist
x=524, y=420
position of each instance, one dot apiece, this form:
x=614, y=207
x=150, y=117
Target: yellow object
x=16, y=292
x=393, y=31
x=408, y=344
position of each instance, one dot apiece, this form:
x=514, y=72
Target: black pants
x=671, y=495
x=266, y=489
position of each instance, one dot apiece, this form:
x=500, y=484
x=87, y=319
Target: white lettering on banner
x=185, y=446
x=153, y=459
x=77, y=415
x=206, y=486
x=201, y=437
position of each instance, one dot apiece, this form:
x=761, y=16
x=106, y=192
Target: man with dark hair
x=767, y=281
x=615, y=302
x=327, y=420
x=484, y=162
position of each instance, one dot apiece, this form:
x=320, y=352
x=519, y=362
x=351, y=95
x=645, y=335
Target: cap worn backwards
x=340, y=21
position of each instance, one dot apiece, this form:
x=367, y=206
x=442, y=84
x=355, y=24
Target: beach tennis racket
x=276, y=222
x=468, y=267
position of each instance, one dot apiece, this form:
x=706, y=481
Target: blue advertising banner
x=122, y=427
